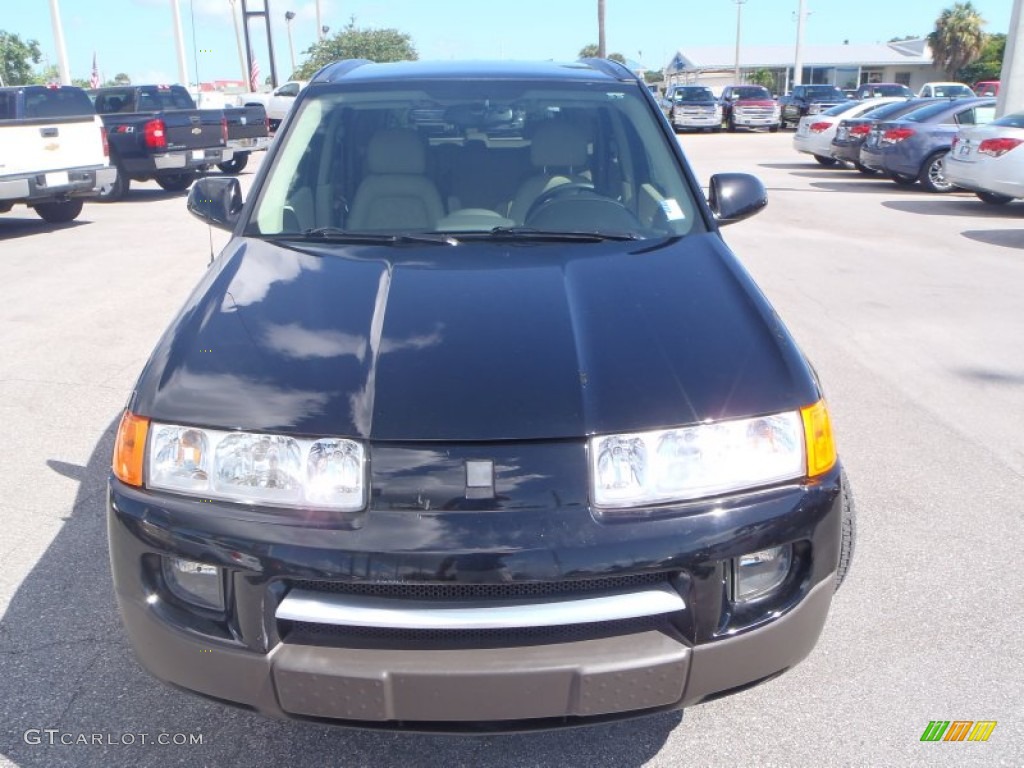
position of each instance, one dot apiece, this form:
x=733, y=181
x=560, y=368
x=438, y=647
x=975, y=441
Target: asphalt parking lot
x=911, y=306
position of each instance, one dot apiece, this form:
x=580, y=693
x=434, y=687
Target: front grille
x=416, y=590
x=302, y=633
x=755, y=111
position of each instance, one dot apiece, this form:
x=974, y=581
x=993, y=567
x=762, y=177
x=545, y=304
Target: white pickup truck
x=53, y=150
x=278, y=102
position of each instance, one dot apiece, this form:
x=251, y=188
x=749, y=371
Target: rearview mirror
x=735, y=196
x=217, y=201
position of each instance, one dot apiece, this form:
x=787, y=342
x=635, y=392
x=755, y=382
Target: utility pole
x=179, y=44
x=58, y=39
x=739, y=26
x=265, y=13
x=602, y=48
x=321, y=30
x=1011, y=88
x=798, y=64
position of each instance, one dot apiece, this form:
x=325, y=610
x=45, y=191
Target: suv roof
x=353, y=70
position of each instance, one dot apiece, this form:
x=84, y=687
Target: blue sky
x=135, y=36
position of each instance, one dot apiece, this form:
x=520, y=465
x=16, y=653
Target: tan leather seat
x=395, y=195
x=559, y=151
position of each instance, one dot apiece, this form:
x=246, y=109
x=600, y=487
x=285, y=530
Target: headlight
x=276, y=470
x=708, y=459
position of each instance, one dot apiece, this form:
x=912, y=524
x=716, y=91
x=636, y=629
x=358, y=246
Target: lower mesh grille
x=302, y=633
x=411, y=590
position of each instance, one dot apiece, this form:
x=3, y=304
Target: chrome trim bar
x=361, y=611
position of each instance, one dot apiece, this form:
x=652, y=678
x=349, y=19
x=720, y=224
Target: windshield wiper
x=528, y=233
x=338, y=235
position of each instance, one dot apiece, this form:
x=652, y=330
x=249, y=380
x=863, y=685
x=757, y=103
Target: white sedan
x=814, y=133
x=987, y=160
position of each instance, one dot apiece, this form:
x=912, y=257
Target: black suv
x=476, y=422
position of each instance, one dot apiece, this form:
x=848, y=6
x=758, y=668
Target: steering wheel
x=573, y=189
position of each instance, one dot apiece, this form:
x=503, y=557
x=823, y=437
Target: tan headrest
x=559, y=144
x=395, y=150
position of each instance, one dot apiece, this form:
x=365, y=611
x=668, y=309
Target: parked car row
x=690, y=107
x=941, y=143
x=61, y=145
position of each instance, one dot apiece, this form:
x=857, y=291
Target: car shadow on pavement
x=862, y=183
x=961, y=204
x=72, y=694
x=148, y=194
x=791, y=166
x=12, y=227
x=1006, y=238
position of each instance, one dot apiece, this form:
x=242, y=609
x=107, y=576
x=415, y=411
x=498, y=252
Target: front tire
x=59, y=213
x=848, y=533
x=902, y=180
x=235, y=165
x=826, y=161
x=992, y=198
x=176, y=182
x=730, y=125
x=773, y=129
x=933, y=174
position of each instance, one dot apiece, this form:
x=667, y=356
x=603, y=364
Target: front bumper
x=253, y=656
x=708, y=120
x=755, y=121
x=55, y=185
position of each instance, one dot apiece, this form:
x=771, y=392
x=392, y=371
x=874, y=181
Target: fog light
x=758, y=573
x=195, y=583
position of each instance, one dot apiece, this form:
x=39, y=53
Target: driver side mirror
x=217, y=201
x=735, y=196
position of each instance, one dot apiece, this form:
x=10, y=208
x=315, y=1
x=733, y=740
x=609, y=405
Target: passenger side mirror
x=735, y=196
x=217, y=201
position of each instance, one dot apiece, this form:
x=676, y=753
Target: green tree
x=17, y=57
x=354, y=42
x=762, y=77
x=591, y=52
x=957, y=39
x=990, y=65
x=48, y=74
x=119, y=79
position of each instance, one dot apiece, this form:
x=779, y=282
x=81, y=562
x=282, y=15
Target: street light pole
x=238, y=41
x=319, y=25
x=179, y=44
x=288, y=16
x=798, y=64
x=739, y=26
x=58, y=39
x=1011, y=89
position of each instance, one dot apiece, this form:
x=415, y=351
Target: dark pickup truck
x=156, y=132
x=248, y=131
x=808, y=100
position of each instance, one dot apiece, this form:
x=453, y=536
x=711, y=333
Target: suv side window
x=289, y=89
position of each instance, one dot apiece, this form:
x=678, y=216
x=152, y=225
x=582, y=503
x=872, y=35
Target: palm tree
x=601, y=48
x=957, y=40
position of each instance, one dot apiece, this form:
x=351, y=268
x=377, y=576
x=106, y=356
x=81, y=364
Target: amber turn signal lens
x=130, y=449
x=821, y=446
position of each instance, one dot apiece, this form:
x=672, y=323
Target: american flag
x=254, y=72
x=94, y=80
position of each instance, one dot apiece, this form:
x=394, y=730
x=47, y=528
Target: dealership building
x=908, y=62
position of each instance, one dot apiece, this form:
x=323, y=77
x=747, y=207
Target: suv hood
x=482, y=341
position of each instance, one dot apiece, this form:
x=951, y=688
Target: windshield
x=694, y=94
x=839, y=109
x=490, y=157
x=824, y=92
x=894, y=109
x=1016, y=120
x=885, y=90
x=752, y=92
x=951, y=91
